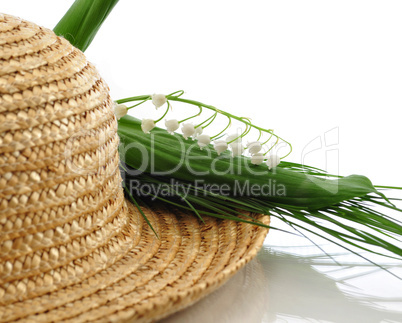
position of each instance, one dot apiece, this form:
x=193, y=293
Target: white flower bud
x=158, y=100
x=257, y=159
x=171, y=125
x=232, y=137
x=237, y=149
x=203, y=140
x=147, y=125
x=197, y=132
x=220, y=146
x=188, y=130
x=120, y=110
x=273, y=161
x=254, y=147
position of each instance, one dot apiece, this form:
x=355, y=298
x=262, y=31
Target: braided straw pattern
x=70, y=247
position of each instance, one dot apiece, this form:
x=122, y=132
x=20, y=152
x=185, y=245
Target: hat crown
x=61, y=202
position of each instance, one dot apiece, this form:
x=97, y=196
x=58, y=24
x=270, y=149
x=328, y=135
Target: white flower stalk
x=188, y=130
x=254, y=147
x=158, y=100
x=120, y=110
x=147, y=125
x=198, y=131
x=220, y=146
x=273, y=161
x=203, y=140
x=232, y=137
x=257, y=159
x=237, y=149
x=172, y=125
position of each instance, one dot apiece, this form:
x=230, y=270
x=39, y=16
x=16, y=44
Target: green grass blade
x=139, y=209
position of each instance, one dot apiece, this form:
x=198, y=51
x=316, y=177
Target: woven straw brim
x=71, y=248
x=157, y=276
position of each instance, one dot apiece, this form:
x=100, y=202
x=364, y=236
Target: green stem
x=82, y=21
x=267, y=139
x=244, y=133
x=136, y=105
x=201, y=105
x=210, y=119
x=172, y=94
x=167, y=110
x=259, y=136
x=195, y=115
x=277, y=139
x=228, y=125
x=246, y=122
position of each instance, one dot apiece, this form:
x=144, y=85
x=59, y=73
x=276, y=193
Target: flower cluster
x=189, y=130
x=254, y=149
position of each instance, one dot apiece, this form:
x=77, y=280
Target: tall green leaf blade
x=83, y=20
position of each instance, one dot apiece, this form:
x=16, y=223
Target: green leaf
x=163, y=153
x=339, y=209
x=83, y=20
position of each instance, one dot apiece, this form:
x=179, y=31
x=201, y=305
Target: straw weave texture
x=71, y=249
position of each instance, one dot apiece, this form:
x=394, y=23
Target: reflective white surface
x=283, y=286
x=291, y=280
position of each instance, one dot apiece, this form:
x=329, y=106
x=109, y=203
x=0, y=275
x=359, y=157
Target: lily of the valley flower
x=147, y=125
x=188, y=130
x=237, y=149
x=158, y=100
x=197, y=132
x=220, y=146
x=120, y=110
x=257, y=159
x=254, y=147
x=273, y=161
x=171, y=125
x=203, y=140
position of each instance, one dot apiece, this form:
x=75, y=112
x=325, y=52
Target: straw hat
x=71, y=248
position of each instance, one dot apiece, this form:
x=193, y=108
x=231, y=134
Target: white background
x=299, y=67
